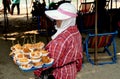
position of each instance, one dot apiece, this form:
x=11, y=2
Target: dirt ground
x=17, y=23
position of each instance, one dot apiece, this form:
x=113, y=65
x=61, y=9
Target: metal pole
x=77, y=4
x=111, y=4
x=49, y=1
x=116, y=3
x=5, y=18
x=85, y=6
x=26, y=10
x=96, y=22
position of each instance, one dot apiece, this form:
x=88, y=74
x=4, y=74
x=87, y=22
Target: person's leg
x=8, y=7
x=12, y=9
x=5, y=8
x=18, y=8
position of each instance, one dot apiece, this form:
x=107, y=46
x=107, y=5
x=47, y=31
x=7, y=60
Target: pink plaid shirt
x=66, y=48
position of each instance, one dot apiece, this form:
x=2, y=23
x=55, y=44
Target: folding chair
x=107, y=4
x=104, y=42
x=86, y=7
x=86, y=17
x=86, y=22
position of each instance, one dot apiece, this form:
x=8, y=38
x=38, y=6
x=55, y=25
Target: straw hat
x=64, y=11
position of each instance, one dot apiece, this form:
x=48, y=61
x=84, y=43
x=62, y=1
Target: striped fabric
x=66, y=48
x=101, y=41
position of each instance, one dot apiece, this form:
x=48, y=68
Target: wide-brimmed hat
x=64, y=11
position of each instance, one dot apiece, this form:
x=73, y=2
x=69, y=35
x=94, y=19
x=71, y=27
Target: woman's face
x=58, y=23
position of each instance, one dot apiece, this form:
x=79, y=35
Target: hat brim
x=54, y=14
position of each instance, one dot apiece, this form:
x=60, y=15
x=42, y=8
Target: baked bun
x=19, y=56
x=39, y=45
x=44, y=52
x=45, y=59
x=16, y=47
x=38, y=64
x=26, y=50
x=23, y=61
x=35, y=54
x=26, y=66
x=34, y=60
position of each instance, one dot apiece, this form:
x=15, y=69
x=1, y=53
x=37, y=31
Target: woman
x=6, y=5
x=17, y=4
x=66, y=44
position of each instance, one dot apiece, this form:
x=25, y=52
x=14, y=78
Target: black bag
x=46, y=74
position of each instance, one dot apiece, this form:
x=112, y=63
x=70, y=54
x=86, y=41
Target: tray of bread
x=31, y=56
